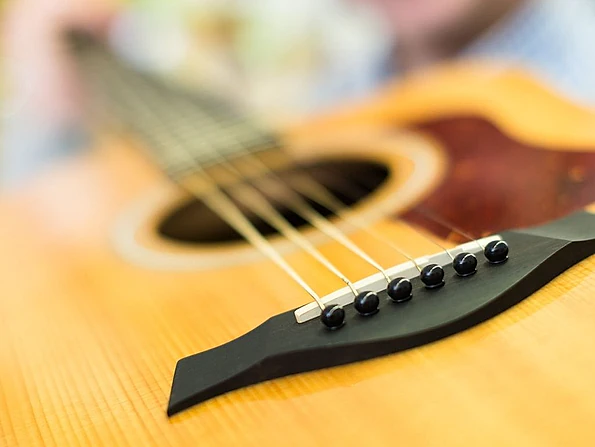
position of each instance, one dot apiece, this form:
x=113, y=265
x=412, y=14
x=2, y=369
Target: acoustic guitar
x=413, y=270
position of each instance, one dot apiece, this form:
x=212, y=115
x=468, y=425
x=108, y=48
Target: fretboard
x=182, y=128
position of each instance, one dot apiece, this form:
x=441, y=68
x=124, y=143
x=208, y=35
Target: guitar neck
x=182, y=129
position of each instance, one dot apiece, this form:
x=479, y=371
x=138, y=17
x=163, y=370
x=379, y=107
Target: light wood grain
x=89, y=342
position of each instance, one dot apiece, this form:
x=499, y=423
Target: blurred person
x=324, y=54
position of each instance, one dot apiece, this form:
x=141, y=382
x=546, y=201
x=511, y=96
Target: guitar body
x=90, y=337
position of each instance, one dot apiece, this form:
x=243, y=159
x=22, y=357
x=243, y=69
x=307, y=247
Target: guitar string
x=216, y=199
x=300, y=207
x=262, y=137
x=322, y=224
x=246, y=194
x=268, y=212
x=263, y=142
x=317, y=193
x=316, y=187
x=316, y=190
x=242, y=145
x=426, y=213
x=413, y=229
x=433, y=217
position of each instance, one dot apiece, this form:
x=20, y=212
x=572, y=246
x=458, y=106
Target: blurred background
x=282, y=60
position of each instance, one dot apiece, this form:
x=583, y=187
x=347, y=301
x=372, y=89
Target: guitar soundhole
x=195, y=223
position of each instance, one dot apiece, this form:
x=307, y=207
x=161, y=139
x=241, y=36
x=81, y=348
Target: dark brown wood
x=494, y=182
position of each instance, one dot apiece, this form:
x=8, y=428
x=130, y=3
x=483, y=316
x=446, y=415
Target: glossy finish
x=89, y=340
x=496, y=252
x=366, y=303
x=559, y=182
x=333, y=317
x=465, y=264
x=399, y=290
x=432, y=275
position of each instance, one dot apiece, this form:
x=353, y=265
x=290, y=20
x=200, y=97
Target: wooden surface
x=89, y=341
x=523, y=185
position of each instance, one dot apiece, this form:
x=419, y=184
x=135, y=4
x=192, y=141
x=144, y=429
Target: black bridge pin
x=366, y=303
x=399, y=290
x=432, y=275
x=465, y=264
x=496, y=252
x=333, y=316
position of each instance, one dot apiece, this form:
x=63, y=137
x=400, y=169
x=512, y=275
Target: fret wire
x=254, y=137
x=210, y=131
x=171, y=165
x=224, y=147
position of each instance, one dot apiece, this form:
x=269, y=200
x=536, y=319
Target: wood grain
x=89, y=341
x=494, y=182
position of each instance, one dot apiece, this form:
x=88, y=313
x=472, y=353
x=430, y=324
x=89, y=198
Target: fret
x=206, y=127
